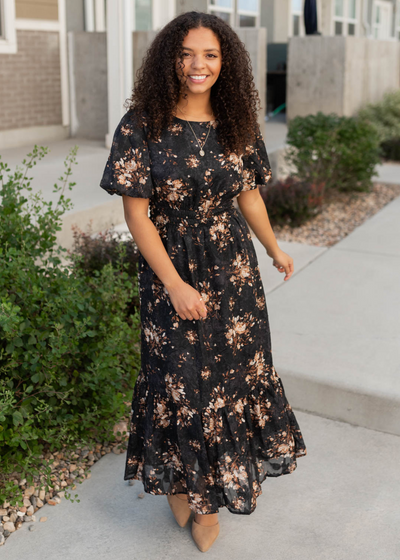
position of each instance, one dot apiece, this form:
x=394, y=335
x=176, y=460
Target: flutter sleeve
x=127, y=170
x=256, y=167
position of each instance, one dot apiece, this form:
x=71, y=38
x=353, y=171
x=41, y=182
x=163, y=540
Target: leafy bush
x=98, y=250
x=385, y=118
x=69, y=356
x=92, y=252
x=292, y=202
x=342, y=152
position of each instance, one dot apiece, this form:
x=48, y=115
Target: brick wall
x=30, y=82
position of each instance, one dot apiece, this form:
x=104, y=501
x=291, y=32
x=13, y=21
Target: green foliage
x=98, y=250
x=69, y=355
x=92, y=252
x=292, y=202
x=385, y=118
x=341, y=152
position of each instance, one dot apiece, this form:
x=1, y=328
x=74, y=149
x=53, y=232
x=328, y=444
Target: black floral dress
x=209, y=413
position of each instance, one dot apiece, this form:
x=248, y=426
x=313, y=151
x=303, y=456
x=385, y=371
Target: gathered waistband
x=192, y=217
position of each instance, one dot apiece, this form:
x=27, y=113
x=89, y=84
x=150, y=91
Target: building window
x=238, y=13
x=143, y=15
x=297, y=18
x=382, y=15
x=8, y=36
x=223, y=9
x=247, y=13
x=346, y=17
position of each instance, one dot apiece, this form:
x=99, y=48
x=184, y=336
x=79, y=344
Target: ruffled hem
x=260, y=438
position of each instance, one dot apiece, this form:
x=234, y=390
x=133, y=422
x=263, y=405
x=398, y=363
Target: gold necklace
x=202, y=152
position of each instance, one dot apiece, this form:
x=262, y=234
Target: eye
x=213, y=55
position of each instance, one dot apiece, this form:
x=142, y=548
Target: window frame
x=235, y=13
x=250, y=13
x=292, y=13
x=8, y=41
x=389, y=7
x=345, y=20
x=211, y=8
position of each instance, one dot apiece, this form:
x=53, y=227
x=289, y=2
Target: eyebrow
x=205, y=50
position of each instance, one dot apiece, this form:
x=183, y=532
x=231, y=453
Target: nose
x=197, y=62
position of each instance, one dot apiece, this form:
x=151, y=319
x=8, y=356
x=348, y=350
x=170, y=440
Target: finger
x=289, y=273
x=196, y=315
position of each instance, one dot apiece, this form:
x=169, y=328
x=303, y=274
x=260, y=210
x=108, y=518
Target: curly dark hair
x=234, y=98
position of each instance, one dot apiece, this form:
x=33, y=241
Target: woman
x=209, y=420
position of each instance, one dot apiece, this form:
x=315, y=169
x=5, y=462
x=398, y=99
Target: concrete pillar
x=120, y=25
x=100, y=14
x=89, y=15
x=255, y=41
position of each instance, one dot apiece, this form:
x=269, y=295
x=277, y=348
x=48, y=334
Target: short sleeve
x=256, y=167
x=127, y=170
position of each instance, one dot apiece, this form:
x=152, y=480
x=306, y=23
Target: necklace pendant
x=202, y=152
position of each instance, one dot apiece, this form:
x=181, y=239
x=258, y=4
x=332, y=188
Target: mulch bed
x=341, y=214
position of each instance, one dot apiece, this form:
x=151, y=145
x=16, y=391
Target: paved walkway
x=336, y=327
x=341, y=503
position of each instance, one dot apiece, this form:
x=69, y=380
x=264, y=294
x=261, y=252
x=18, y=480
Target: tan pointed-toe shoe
x=180, y=508
x=204, y=535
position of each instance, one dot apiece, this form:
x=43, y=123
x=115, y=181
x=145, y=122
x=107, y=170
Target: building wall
x=275, y=17
x=30, y=82
x=183, y=6
x=339, y=74
x=255, y=41
x=88, y=84
x=75, y=15
x=37, y=9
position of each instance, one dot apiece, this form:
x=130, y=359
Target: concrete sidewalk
x=341, y=503
x=336, y=328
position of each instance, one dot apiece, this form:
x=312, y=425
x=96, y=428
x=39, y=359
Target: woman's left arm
x=255, y=213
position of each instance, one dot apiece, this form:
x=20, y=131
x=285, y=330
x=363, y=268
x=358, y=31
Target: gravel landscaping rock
x=341, y=214
x=68, y=467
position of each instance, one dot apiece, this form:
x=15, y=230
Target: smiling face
x=201, y=56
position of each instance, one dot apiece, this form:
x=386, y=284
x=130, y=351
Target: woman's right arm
x=184, y=297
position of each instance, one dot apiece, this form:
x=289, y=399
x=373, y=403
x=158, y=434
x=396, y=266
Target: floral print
x=209, y=414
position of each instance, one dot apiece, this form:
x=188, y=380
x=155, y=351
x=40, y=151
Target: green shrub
x=385, y=118
x=69, y=356
x=292, y=202
x=92, y=253
x=341, y=152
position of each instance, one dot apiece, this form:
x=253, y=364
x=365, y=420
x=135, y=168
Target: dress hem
x=256, y=495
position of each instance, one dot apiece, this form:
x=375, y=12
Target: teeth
x=198, y=77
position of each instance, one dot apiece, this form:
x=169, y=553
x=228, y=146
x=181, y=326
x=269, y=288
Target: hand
x=186, y=301
x=283, y=262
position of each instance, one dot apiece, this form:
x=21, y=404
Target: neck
x=196, y=105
